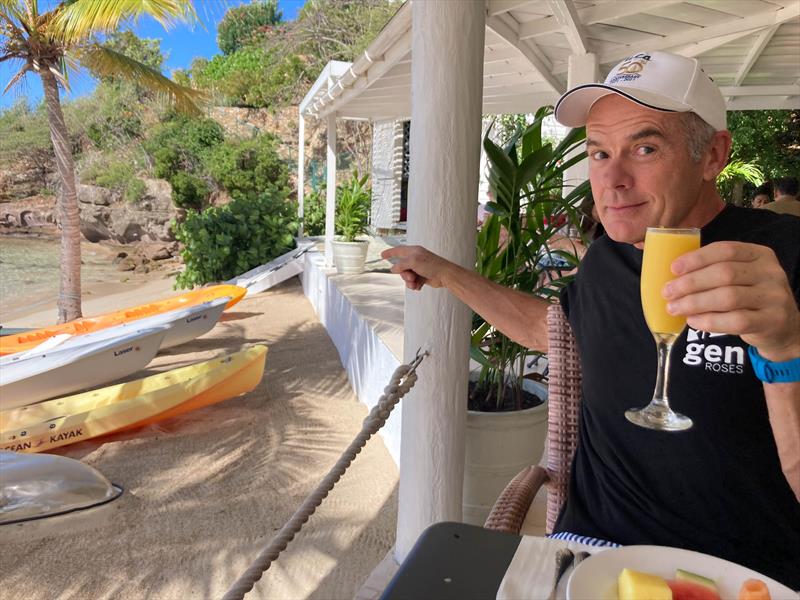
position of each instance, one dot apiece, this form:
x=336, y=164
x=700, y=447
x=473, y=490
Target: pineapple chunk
x=634, y=585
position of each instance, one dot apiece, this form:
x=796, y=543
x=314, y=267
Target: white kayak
x=182, y=325
x=274, y=272
x=28, y=378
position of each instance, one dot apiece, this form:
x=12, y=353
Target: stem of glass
x=664, y=349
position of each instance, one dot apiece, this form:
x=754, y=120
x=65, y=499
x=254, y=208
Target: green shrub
x=188, y=191
x=115, y=174
x=179, y=147
x=181, y=143
x=250, y=168
x=314, y=212
x=222, y=242
x=255, y=76
x=242, y=25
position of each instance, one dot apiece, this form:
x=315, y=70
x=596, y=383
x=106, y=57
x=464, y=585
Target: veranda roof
x=751, y=48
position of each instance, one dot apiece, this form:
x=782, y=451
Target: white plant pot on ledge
x=349, y=257
x=498, y=446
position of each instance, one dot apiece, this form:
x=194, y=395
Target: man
x=786, y=197
x=761, y=195
x=657, y=139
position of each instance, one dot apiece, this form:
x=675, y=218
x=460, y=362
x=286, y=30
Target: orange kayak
x=29, y=339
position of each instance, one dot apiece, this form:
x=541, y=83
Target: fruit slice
x=634, y=585
x=754, y=589
x=689, y=590
x=682, y=575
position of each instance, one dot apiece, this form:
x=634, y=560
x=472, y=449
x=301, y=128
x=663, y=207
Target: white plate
x=596, y=577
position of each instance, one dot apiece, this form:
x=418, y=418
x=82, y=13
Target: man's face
x=640, y=169
x=760, y=200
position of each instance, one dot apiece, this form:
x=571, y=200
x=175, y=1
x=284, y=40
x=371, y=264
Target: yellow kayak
x=48, y=425
x=20, y=342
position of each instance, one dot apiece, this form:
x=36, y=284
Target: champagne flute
x=661, y=247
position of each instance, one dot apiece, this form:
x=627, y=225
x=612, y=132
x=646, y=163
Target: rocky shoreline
x=138, y=235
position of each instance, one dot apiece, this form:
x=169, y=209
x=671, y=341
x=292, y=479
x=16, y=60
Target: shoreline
x=120, y=289
x=96, y=299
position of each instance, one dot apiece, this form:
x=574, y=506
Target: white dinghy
x=274, y=272
x=26, y=378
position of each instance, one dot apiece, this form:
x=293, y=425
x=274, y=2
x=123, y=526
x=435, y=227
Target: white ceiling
x=751, y=48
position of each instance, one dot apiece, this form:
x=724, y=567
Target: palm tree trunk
x=69, y=294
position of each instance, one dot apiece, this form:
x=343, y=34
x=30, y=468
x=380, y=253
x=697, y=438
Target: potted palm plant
x=507, y=416
x=352, y=216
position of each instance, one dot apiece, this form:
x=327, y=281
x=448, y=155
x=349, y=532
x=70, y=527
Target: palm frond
x=106, y=62
x=13, y=13
x=83, y=18
x=19, y=75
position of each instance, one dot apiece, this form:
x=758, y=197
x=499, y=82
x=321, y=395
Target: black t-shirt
x=716, y=488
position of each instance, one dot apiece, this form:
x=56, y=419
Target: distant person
x=762, y=195
x=786, y=197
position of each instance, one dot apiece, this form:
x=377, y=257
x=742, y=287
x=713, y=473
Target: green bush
x=255, y=76
x=181, y=143
x=222, y=242
x=314, y=212
x=118, y=175
x=250, y=168
x=188, y=191
x=242, y=25
x=179, y=148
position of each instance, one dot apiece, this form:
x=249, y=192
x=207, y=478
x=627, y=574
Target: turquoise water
x=29, y=272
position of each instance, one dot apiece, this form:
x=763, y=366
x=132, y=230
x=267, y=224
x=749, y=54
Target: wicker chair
x=564, y=396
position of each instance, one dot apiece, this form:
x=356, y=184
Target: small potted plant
x=352, y=216
x=506, y=422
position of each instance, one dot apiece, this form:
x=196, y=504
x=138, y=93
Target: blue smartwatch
x=774, y=372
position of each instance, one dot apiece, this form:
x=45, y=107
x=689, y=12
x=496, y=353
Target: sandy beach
x=206, y=490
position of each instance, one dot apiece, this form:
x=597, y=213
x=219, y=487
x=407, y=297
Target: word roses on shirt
x=714, y=356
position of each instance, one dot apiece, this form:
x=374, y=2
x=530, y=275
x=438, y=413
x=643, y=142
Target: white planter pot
x=498, y=446
x=349, y=257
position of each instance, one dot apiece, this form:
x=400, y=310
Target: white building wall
x=387, y=164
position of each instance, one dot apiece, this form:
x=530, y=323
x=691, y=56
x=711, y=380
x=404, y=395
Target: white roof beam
x=755, y=51
x=766, y=18
x=694, y=50
x=593, y=14
x=760, y=90
x=498, y=7
x=567, y=16
x=764, y=103
x=510, y=34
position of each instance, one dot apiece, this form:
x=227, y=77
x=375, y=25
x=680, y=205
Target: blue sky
x=180, y=44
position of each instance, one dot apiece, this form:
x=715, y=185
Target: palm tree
x=58, y=40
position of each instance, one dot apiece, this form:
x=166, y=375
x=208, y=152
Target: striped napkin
x=530, y=574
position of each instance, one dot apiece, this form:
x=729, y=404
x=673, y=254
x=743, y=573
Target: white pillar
x=330, y=204
x=301, y=172
x=446, y=101
x=582, y=68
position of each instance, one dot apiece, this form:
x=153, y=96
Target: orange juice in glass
x=661, y=247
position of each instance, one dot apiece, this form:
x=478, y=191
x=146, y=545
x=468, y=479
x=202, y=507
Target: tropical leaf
x=81, y=19
x=106, y=62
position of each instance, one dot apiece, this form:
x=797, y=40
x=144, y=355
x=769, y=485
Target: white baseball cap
x=657, y=80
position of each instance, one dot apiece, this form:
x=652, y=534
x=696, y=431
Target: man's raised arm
x=519, y=316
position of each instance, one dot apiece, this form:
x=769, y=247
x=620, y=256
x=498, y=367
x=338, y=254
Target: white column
x=330, y=204
x=582, y=68
x=301, y=172
x=446, y=100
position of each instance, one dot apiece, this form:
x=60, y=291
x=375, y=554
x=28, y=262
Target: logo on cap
x=630, y=68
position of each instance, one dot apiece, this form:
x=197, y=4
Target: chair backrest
x=564, y=397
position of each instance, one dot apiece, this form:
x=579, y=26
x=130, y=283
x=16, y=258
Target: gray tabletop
x=454, y=561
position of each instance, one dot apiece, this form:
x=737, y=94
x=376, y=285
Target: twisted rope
x=402, y=381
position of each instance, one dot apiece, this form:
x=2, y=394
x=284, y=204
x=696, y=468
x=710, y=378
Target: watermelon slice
x=691, y=590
